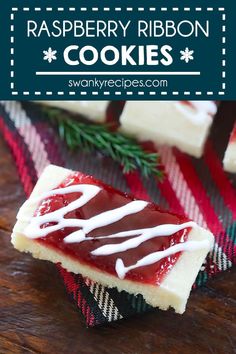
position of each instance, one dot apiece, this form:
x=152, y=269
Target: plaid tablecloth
x=198, y=188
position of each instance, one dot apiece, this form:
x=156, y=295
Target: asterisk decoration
x=49, y=55
x=186, y=55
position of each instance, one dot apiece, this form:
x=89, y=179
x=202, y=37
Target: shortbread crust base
x=172, y=292
x=163, y=123
x=230, y=158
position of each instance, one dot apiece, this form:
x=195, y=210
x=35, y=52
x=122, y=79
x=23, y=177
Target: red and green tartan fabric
x=198, y=188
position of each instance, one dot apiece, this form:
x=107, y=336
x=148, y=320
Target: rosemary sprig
x=98, y=137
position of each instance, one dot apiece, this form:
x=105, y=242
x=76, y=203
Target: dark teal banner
x=117, y=50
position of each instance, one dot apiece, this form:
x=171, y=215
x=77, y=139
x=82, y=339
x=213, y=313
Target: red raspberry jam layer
x=109, y=198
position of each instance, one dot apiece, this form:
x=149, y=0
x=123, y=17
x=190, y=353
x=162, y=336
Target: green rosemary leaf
x=98, y=137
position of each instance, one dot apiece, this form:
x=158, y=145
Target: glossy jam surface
x=108, y=199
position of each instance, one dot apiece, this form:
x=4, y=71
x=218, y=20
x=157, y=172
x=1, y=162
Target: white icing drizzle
x=34, y=230
x=81, y=188
x=145, y=235
x=106, y=218
x=121, y=269
x=88, y=191
x=203, y=110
